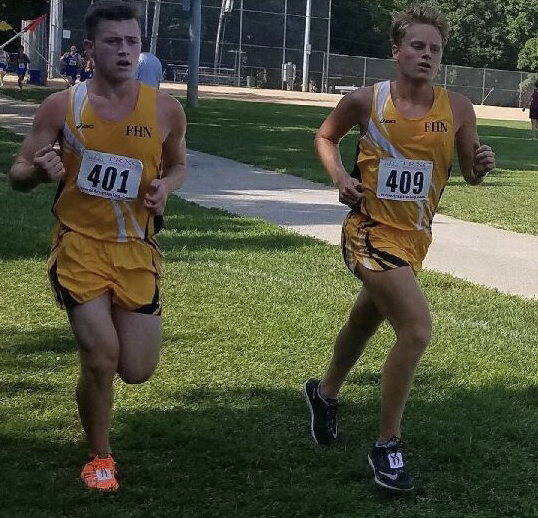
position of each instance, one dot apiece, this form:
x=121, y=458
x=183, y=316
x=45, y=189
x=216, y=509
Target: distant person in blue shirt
x=150, y=69
x=71, y=63
x=22, y=61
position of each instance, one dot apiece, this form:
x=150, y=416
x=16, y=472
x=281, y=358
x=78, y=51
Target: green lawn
x=279, y=137
x=221, y=430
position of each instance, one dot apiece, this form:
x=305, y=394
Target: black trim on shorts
x=154, y=307
x=158, y=223
x=63, y=297
x=394, y=259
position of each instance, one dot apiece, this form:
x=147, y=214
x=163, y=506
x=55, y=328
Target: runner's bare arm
x=174, y=146
x=36, y=161
x=352, y=110
x=173, y=124
x=475, y=160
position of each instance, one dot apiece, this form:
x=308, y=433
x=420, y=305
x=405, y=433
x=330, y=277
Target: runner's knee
x=417, y=336
x=363, y=323
x=136, y=375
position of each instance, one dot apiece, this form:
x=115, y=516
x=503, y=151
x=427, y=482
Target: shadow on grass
x=46, y=340
x=247, y=452
x=28, y=226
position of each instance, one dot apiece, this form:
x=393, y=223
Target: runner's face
x=73, y=50
x=420, y=52
x=116, y=48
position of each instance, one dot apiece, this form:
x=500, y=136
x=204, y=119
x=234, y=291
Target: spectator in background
x=86, y=71
x=533, y=109
x=4, y=60
x=150, y=69
x=22, y=65
x=71, y=61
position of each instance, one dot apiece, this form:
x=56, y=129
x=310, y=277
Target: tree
x=528, y=57
x=14, y=11
x=361, y=28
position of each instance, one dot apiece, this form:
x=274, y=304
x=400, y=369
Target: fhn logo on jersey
x=436, y=126
x=139, y=131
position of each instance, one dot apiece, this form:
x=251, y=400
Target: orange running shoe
x=100, y=473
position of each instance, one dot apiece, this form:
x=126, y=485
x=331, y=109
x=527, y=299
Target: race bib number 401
x=109, y=176
x=404, y=180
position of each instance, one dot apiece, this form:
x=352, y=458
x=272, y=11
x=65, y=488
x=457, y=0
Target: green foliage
x=361, y=28
x=528, y=57
x=484, y=33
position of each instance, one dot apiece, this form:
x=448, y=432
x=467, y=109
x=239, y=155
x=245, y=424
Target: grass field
x=280, y=137
x=221, y=430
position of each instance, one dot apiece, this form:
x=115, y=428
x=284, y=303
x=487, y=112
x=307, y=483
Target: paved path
x=497, y=258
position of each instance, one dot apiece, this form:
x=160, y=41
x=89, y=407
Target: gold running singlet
x=404, y=165
x=104, y=236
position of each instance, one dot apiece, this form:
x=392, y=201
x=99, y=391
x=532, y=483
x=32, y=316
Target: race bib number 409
x=404, y=180
x=109, y=176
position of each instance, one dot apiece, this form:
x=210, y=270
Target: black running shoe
x=389, y=468
x=323, y=425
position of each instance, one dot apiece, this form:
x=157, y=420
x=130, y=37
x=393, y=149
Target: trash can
x=251, y=81
x=35, y=77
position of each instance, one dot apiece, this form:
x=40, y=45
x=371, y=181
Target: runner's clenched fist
x=48, y=161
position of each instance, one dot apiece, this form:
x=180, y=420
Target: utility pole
x=325, y=87
x=240, y=44
x=307, y=47
x=217, y=40
x=194, y=53
x=225, y=7
x=146, y=19
x=55, y=36
x=155, y=27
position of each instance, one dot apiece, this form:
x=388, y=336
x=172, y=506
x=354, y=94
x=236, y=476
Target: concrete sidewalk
x=496, y=258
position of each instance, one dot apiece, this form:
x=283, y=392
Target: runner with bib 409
x=403, y=162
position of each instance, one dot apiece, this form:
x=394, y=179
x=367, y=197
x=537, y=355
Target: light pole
x=240, y=43
x=307, y=47
x=155, y=27
x=194, y=53
x=326, y=88
x=55, y=35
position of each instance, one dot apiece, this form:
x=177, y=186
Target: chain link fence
x=248, y=42
x=480, y=85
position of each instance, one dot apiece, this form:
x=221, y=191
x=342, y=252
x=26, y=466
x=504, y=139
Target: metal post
x=326, y=88
x=194, y=53
x=446, y=68
x=146, y=20
x=240, y=43
x=484, y=86
x=306, y=50
x=155, y=27
x=520, y=88
x=364, y=72
x=284, y=40
x=323, y=62
x=55, y=36
x=217, y=41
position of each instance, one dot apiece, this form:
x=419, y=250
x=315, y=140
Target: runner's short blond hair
x=419, y=14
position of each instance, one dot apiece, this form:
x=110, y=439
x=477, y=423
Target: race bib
x=404, y=180
x=109, y=176
x=72, y=62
